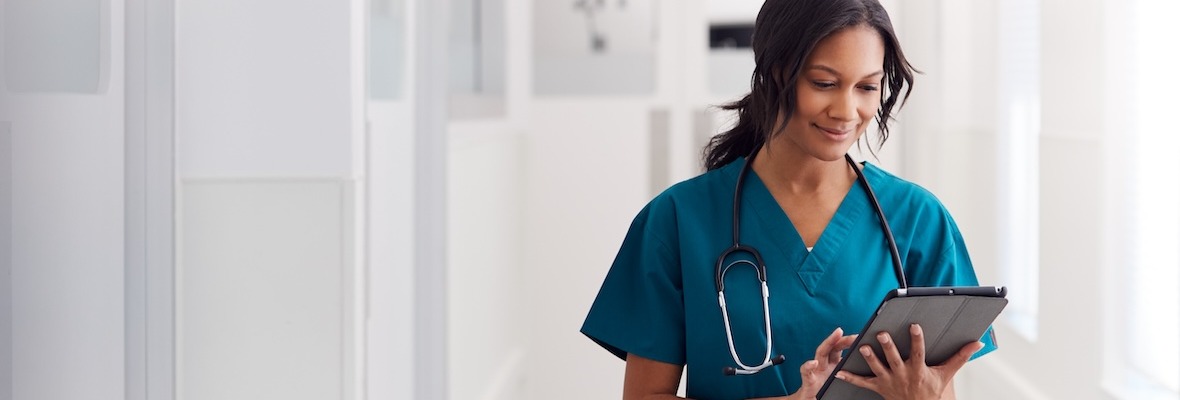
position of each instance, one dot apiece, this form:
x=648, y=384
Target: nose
x=843, y=107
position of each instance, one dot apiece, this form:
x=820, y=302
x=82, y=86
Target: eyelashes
x=824, y=85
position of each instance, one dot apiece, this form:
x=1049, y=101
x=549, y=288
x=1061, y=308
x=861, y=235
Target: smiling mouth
x=834, y=132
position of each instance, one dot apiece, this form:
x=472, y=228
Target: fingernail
x=915, y=329
x=842, y=376
x=838, y=332
x=865, y=351
x=883, y=337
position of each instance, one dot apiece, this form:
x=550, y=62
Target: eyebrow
x=837, y=73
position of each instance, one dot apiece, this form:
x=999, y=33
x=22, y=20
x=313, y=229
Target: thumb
x=808, y=368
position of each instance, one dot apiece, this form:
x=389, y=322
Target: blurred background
x=418, y=199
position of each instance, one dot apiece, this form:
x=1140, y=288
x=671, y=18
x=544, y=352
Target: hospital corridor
x=424, y=199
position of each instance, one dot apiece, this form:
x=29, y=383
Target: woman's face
x=838, y=93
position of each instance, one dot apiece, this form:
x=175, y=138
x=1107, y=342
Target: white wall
x=255, y=80
x=271, y=155
x=6, y=254
x=486, y=318
x=390, y=331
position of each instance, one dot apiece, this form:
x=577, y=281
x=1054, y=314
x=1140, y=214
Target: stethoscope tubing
x=760, y=266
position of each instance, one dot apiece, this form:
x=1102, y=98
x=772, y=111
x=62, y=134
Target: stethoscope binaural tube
x=760, y=267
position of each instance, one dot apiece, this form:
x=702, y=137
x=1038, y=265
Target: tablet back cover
x=948, y=324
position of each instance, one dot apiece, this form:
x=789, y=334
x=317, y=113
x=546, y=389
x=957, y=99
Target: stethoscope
x=760, y=267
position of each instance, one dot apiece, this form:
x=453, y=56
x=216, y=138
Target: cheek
x=869, y=113
x=809, y=104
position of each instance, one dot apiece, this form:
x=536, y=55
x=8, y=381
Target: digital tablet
x=951, y=317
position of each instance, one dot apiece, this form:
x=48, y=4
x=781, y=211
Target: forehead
x=855, y=51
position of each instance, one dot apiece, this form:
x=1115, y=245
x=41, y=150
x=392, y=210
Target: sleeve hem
x=622, y=353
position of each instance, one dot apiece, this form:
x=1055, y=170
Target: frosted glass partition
x=56, y=45
x=477, y=47
x=387, y=48
x=594, y=48
x=476, y=59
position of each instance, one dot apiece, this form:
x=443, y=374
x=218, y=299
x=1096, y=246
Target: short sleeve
x=640, y=307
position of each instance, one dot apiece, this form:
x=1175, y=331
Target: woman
x=824, y=70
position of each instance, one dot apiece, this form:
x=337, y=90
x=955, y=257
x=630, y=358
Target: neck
x=799, y=173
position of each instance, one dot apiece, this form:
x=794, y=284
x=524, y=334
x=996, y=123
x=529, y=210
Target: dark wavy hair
x=785, y=33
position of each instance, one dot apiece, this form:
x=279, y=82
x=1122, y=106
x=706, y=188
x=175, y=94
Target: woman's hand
x=910, y=379
x=814, y=372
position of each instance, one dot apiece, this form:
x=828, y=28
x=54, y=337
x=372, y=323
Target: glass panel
x=594, y=47
x=1019, y=97
x=1154, y=310
x=387, y=38
x=477, y=59
x=465, y=46
x=55, y=45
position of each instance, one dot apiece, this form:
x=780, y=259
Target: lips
x=835, y=133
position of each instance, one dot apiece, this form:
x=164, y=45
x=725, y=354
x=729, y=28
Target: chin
x=831, y=155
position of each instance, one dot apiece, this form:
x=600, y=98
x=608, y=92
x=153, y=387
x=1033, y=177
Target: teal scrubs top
x=659, y=299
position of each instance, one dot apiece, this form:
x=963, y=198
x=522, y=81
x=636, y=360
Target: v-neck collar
x=810, y=266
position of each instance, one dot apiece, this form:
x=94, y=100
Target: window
x=478, y=69
x=56, y=47
x=1148, y=352
x=1019, y=134
x=387, y=48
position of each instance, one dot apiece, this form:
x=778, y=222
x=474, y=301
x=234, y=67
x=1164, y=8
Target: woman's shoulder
x=905, y=201
x=693, y=198
x=899, y=190
x=706, y=189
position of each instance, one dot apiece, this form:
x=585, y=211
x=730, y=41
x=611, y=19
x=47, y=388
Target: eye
x=823, y=84
x=869, y=88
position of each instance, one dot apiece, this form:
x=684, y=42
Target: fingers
x=875, y=364
x=917, y=344
x=952, y=365
x=823, y=352
x=858, y=380
x=808, y=368
x=842, y=344
x=890, y=349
